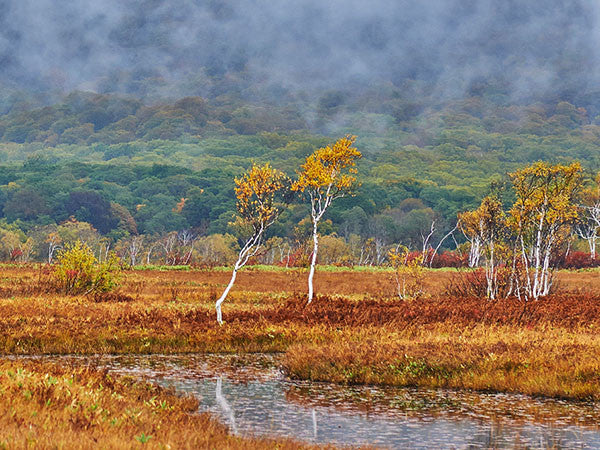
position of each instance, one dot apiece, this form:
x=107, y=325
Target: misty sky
x=300, y=44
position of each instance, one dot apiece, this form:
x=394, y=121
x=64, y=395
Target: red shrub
x=449, y=259
x=577, y=260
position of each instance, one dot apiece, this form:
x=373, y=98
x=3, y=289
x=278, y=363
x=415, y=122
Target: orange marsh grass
x=548, y=361
x=548, y=347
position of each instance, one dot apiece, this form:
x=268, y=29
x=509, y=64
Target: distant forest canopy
x=130, y=168
x=132, y=117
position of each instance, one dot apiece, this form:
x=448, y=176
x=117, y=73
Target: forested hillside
x=149, y=142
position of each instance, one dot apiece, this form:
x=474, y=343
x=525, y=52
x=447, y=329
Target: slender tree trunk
x=490, y=272
x=249, y=250
x=313, y=262
x=224, y=295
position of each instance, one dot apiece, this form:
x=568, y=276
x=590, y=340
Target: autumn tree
x=130, y=248
x=540, y=218
x=588, y=220
x=409, y=272
x=469, y=226
x=327, y=174
x=485, y=228
x=256, y=192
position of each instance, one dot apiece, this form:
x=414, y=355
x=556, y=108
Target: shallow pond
x=251, y=395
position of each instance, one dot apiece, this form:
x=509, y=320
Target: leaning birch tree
x=327, y=174
x=256, y=192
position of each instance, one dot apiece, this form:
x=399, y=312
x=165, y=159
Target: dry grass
x=549, y=361
x=548, y=347
x=46, y=406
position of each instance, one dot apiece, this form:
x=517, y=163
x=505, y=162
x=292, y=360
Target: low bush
x=450, y=259
x=578, y=260
x=77, y=271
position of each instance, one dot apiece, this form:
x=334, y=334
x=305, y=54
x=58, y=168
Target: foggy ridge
x=176, y=48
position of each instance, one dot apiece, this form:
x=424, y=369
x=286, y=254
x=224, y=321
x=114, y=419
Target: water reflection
x=253, y=397
x=224, y=405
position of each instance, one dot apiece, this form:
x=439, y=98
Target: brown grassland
x=355, y=331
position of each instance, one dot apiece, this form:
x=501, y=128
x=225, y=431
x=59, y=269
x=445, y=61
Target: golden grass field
x=355, y=331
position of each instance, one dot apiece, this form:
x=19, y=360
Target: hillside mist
x=136, y=116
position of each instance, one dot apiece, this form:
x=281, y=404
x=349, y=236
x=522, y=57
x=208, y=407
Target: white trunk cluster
x=535, y=256
x=588, y=228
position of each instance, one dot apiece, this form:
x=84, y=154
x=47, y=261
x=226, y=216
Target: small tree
x=256, y=192
x=77, y=271
x=409, y=272
x=588, y=221
x=485, y=228
x=326, y=175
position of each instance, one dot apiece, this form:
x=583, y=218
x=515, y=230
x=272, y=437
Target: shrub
x=77, y=271
x=473, y=283
x=409, y=273
x=577, y=260
x=450, y=259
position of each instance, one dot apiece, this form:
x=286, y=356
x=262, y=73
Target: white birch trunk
x=221, y=299
x=313, y=262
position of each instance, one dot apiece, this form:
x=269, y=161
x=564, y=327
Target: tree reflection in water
x=224, y=404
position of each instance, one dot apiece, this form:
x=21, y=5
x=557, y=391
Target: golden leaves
x=488, y=219
x=256, y=191
x=545, y=194
x=324, y=169
x=180, y=205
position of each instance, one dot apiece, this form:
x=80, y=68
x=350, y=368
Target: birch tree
x=588, y=221
x=485, y=228
x=327, y=174
x=54, y=243
x=256, y=192
x=132, y=247
x=541, y=216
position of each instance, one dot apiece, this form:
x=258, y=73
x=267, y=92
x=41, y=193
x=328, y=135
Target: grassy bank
x=546, y=362
x=46, y=406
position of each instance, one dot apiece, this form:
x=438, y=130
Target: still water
x=253, y=397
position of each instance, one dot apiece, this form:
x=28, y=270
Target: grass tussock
x=46, y=406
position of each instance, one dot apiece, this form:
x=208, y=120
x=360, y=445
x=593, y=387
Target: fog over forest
x=134, y=117
x=444, y=48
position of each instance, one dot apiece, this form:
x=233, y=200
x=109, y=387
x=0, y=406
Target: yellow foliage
x=78, y=272
x=329, y=170
x=256, y=191
x=487, y=222
x=409, y=273
x=545, y=195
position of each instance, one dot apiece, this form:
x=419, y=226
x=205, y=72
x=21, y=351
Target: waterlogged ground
x=251, y=395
